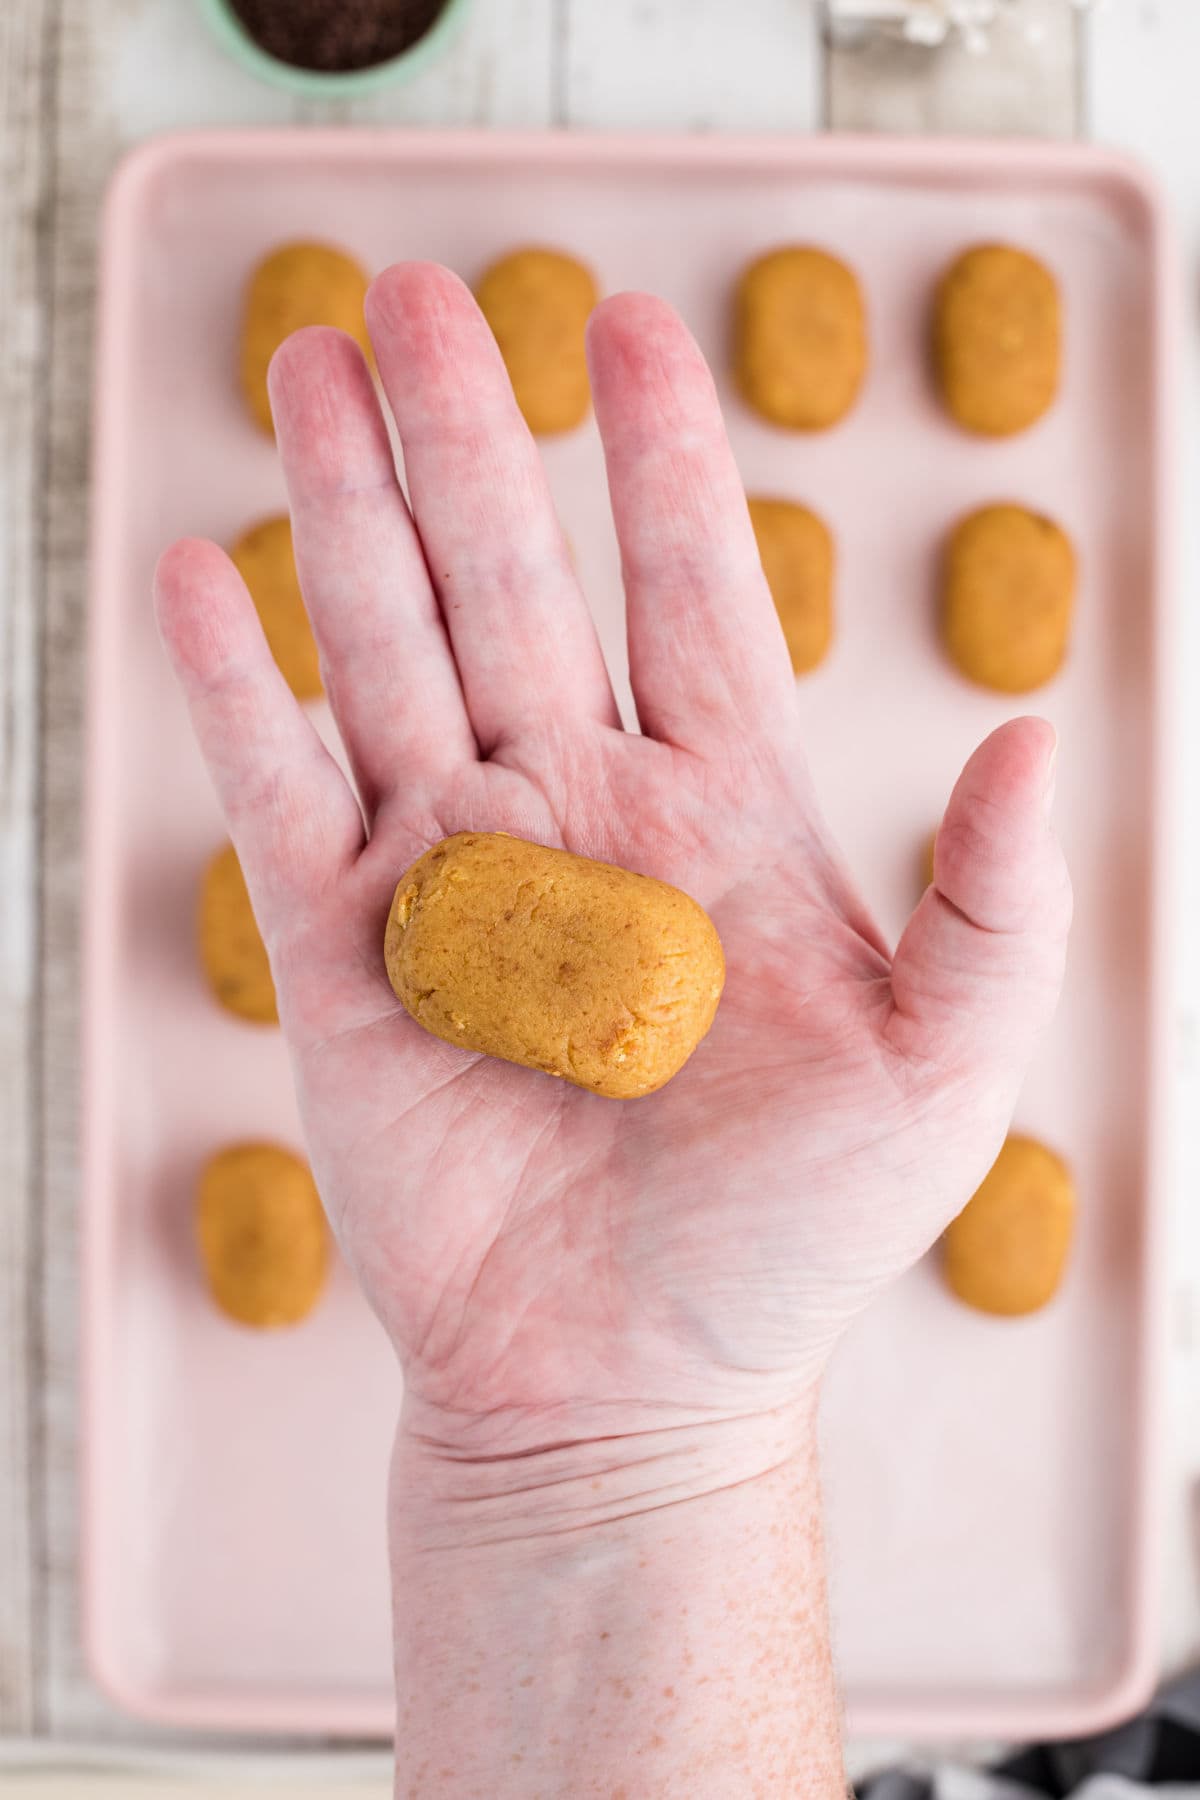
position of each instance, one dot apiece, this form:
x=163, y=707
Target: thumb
x=978, y=970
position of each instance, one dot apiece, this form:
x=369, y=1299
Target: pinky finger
x=294, y=821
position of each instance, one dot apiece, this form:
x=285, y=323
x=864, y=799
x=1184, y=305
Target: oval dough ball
x=263, y=558
x=231, y=947
x=1006, y=1251
x=262, y=1234
x=1008, y=596
x=295, y=286
x=585, y=971
x=996, y=338
x=800, y=338
x=537, y=303
x=796, y=551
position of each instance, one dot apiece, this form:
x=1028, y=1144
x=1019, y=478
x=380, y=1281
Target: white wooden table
x=80, y=80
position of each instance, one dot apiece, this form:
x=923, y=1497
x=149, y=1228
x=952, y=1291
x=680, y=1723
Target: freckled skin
x=729, y=1689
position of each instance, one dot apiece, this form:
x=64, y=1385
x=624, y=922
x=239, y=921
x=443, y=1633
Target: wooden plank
x=217, y=1785
x=709, y=65
x=159, y=68
x=82, y=154
x=22, y=410
x=1026, y=82
x=1141, y=96
x=499, y=72
x=39, y=1769
x=123, y=72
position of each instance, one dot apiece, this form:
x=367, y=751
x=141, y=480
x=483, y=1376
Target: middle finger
x=524, y=642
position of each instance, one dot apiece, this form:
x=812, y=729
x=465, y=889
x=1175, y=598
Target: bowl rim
x=321, y=84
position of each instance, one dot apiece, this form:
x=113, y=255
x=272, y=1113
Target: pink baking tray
x=990, y=1484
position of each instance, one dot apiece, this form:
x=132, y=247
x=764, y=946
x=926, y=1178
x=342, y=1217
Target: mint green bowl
x=337, y=84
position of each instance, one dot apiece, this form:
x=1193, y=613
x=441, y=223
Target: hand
x=545, y=1261
x=606, y=1312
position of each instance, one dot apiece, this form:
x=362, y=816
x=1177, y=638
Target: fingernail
x=1051, y=779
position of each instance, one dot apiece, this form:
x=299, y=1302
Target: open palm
x=545, y=1259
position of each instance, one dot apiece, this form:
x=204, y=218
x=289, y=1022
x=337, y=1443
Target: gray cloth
x=1156, y=1755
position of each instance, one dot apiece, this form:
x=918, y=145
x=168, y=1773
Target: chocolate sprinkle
x=334, y=35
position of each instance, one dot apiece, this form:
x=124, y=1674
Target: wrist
x=642, y=1612
x=460, y=1484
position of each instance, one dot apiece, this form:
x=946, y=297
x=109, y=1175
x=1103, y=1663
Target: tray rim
x=944, y=161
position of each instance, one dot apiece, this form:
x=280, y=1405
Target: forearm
x=635, y=1616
